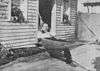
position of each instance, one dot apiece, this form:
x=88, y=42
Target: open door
x=45, y=9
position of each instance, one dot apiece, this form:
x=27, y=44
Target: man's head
x=45, y=27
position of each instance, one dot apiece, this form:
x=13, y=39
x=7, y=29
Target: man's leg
x=67, y=55
x=56, y=54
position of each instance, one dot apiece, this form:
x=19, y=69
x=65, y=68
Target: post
x=73, y=15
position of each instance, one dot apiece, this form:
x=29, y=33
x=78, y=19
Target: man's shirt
x=43, y=35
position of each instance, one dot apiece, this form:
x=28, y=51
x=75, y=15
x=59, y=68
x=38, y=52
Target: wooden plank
x=15, y=24
x=32, y=17
x=34, y=3
x=16, y=31
x=18, y=37
x=22, y=44
x=25, y=46
x=65, y=34
x=17, y=34
x=67, y=27
x=17, y=27
x=7, y=33
x=32, y=9
x=61, y=37
x=64, y=29
x=31, y=14
x=60, y=31
x=19, y=41
x=33, y=20
x=20, y=28
x=60, y=26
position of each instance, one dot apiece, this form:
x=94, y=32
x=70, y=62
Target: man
x=43, y=33
x=55, y=47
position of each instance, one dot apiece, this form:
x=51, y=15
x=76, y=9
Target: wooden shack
x=24, y=34
x=19, y=35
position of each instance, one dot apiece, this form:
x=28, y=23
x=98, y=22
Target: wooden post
x=73, y=15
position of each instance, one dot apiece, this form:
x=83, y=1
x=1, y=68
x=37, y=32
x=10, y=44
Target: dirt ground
x=43, y=62
x=39, y=62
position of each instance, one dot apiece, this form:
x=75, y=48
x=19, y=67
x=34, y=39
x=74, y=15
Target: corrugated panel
x=17, y=35
x=58, y=11
x=64, y=31
x=73, y=12
x=20, y=35
x=33, y=11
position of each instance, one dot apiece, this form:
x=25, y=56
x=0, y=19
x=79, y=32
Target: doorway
x=45, y=8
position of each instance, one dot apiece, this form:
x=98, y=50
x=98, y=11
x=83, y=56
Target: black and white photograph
x=49, y=35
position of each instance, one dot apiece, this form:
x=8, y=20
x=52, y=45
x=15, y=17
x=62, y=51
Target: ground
x=43, y=62
x=39, y=62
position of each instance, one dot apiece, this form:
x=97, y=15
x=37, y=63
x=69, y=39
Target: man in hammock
x=55, y=47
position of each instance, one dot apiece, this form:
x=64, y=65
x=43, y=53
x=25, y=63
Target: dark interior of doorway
x=45, y=8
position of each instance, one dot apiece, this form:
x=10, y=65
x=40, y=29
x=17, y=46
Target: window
x=18, y=10
x=5, y=10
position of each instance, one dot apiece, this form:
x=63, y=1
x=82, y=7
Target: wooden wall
x=17, y=35
x=21, y=35
x=73, y=16
x=64, y=31
x=73, y=11
x=32, y=11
